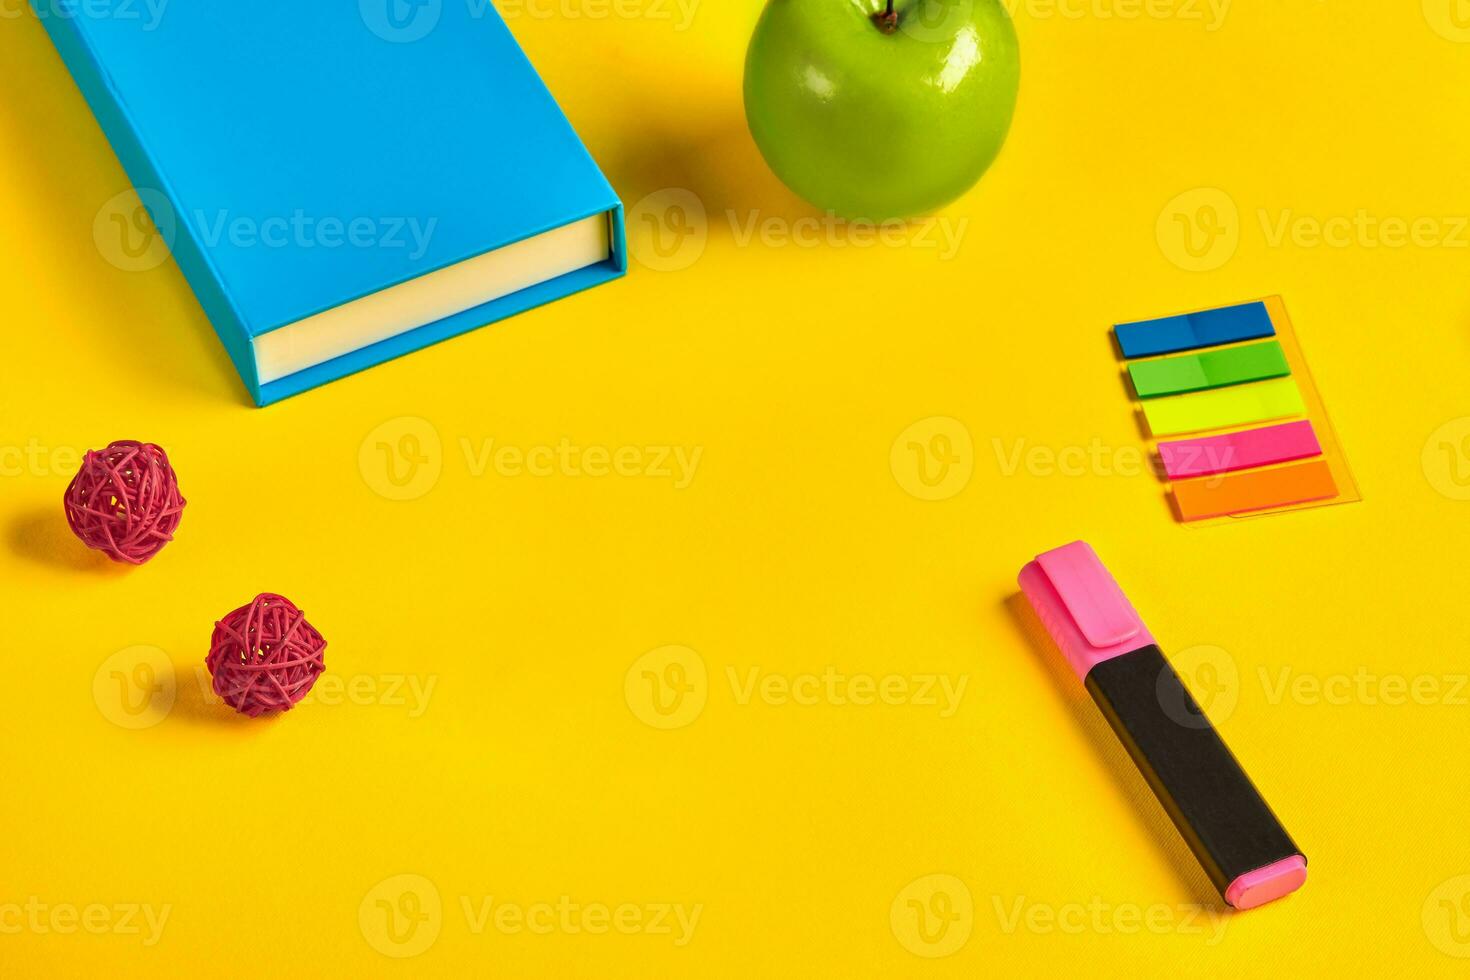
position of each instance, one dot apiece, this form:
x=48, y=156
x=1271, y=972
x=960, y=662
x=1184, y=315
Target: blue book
x=345, y=181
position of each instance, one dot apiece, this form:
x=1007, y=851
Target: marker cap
x=1082, y=607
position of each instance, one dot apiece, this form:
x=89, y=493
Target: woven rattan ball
x=125, y=501
x=265, y=656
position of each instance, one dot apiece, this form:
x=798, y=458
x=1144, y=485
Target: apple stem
x=887, y=21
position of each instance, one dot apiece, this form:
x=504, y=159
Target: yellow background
x=801, y=831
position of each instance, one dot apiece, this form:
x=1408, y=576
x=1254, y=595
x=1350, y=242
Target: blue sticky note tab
x=1207, y=328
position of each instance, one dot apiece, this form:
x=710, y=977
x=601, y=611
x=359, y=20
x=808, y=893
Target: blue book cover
x=343, y=182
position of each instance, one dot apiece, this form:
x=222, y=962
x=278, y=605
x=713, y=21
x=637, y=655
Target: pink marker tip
x=1267, y=884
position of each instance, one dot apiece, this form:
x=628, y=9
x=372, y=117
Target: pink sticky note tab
x=1245, y=450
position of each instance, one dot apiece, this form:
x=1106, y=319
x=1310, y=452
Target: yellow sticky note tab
x=1223, y=408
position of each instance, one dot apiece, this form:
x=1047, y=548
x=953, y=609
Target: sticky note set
x=1233, y=386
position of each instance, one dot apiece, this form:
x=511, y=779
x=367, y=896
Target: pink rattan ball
x=265, y=656
x=125, y=501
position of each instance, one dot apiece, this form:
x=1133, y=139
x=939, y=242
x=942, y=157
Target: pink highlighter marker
x=1248, y=855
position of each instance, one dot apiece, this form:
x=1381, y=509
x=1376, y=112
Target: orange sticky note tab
x=1217, y=496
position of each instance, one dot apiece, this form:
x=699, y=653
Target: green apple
x=881, y=109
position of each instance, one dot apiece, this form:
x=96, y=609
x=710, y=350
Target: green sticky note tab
x=1208, y=369
x=1223, y=408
